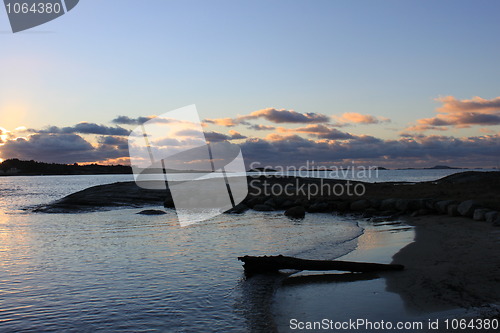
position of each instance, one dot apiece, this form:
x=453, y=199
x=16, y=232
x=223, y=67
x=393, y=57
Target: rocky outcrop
x=451, y=195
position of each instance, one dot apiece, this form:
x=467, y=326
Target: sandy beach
x=453, y=263
x=452, y=271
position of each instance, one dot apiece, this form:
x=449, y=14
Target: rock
x=238, y=209
x=370, y=212
x=360, y=205
x=421, y=212
x=342, y=206
x=263, y=208
x=271, y=202
x=453, y=210
x=297, y=212
x=402, y=205
x=319, y=207
x=286, y=204
x=468, y=207
x=388, y=204
x=496, y=223
x=491, y=216
x=429, y=204
x=480, y=214
x=375, y=203
x=301, y=202
x=152, y=212
x=442, y=206
x=252, y=201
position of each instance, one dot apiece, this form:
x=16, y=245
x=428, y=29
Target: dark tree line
x=41, y=168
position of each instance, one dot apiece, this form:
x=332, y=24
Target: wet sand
x=454, y=262
x=452, y=271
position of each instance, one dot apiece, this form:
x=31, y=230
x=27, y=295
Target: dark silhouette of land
x=32, y=168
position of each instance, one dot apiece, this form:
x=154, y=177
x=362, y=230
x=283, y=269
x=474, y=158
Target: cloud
x=261, y=128
x=273, y=115
x=124, y=120
x=410, y=150
x=358, y=118
x=116, y=141
x=287, y=116
x=211, y=136
x=85, y=128
x=228, y=122
x=218, y=137
x=64, y=148
x=236, y=135
x=461, y=114
x=319, y=131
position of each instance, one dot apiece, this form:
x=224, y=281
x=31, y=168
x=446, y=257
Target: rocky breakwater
x=475, y=195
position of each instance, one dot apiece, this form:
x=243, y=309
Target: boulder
x=319, y=207
x=152, y=212
x=421, y=212
x=252, y=201
x=467, y=208
x=453, y=210
x=263, y=208
x=491, y=216
x=375, y=203
x=297, y=212
x=442, y=206
x=480, y=214
x=404, y=205
x=360, y=205
x=496, y=223
x=388, y=204
x=370, y=212
x=271, y=202
x=286, y=204
x=342, y=206
x=430, y=204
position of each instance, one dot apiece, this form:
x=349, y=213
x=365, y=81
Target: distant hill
x=442, y=167
x=29, y=168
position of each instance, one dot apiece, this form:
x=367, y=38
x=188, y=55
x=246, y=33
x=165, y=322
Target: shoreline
x=322, y=298
x=448, y=275
x=453, y=263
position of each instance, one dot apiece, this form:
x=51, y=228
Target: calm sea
x=119, y=271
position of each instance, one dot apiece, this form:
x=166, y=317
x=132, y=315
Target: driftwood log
x=270, y=264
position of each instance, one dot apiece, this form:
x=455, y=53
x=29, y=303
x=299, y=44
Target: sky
x=388, y=83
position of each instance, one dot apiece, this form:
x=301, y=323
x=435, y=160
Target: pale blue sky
x=121, y=57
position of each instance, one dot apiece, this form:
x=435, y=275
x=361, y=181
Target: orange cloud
x=228, y=122
x=358, y=118
x=461, y=114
